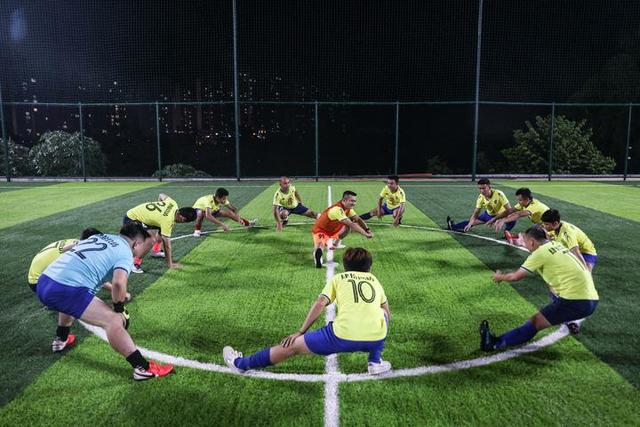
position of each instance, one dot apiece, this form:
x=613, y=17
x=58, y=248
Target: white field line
x=331, y=385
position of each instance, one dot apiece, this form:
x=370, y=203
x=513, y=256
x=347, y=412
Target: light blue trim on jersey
x=91, y=262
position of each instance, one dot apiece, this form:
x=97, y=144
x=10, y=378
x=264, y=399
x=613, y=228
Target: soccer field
x=250, y=288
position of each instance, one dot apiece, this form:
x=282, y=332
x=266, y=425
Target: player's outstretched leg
x=264, y=357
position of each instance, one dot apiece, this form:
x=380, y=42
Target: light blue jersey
x=92, y=261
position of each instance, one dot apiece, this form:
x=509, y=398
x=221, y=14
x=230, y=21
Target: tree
x=573, y=150
x=19, y=164
x=180, y=170
x=59, y=153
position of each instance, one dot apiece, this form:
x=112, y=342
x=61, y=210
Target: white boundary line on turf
x=331, y=385
x=546, y=341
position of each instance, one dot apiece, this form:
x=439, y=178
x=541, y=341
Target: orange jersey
x=330, y=219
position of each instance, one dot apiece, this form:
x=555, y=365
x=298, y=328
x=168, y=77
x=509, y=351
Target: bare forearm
x=314, y=313
x=276, y=215
x=167, y=251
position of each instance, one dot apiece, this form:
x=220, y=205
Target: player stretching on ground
x=159, y=218
x=573, y=294
x=214, y=206
x=391, y=202
x=334, y=224
x=70, y=283
x=361, y=323
x=287, y=201
x=492, y=201
x=526, y=206
x=571, y=238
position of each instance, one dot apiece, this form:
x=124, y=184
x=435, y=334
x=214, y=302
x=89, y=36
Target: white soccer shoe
x=197, y=233
x=379, y=368
x=58, y=345
x=252, y=223
x=230, y=355
x=137, y=269
x=159, y=254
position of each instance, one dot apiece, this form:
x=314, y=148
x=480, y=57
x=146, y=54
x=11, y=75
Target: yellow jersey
x=45, y=257
x=359, y=297
x=210, y=202
x=493, y=205
x=563, y=272
x=392, y=199
x=156, y=215
x=536, y=209
x=287, y=200
x=571, y=236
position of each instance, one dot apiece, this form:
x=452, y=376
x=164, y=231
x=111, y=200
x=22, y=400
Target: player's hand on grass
x=175, y=266
x=287, y=341
x=119, y=307
x=497, y=276
x=368, y=234
x=225, y=227
x=278, y=226
x=467, y=227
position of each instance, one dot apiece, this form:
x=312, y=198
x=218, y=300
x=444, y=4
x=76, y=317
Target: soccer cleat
x=137, y=269
x=449, y=223
x=285, y=221
x=159, y=254
x=379, y=368
x=337, y=244
x=317, y=255
x=230, y=355
x=251, y=223
x=58, y=345
x=155, y=370
x=197, y=233
x=574, y=328
x=487, y=340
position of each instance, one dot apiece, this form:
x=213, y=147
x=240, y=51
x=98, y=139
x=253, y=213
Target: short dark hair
x=189, y=214
x=348, y=193
x=395, y=178
x=357, y=259
x=484, y=181
x=88, y=232
x=552, y=215
x=524, y=192
x=134, y=230
x=221, y=192
x=536, y=232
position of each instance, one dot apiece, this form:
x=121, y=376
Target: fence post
x=552, y=131
x=236, y=100
x=4, y=139
x=317, y=139
x=477, y=107
x=626, y=150
x=82, y=151
x=158, y=141
x=395, y=166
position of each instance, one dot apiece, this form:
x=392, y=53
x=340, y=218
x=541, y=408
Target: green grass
x=250, y=288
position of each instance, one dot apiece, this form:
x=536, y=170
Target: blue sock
x=517, y=336
x=255, y=361
x=460, y=226
x=366, y=216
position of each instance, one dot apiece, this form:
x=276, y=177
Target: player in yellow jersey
x=360, y=326
x=287, y=201
x=159, y=218
x=527, y=206
x=571, y=237
x=574, y=295
x=392, y=201
x=493, y=202
x=214, y=206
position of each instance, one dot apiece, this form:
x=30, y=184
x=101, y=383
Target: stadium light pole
x=158, y=141
x=477, y=108
x=395, y=166
x=236, y=101
x=553, y=127
x=82, y=148
x=626, y=150
x=4, y=138
x=317, y=139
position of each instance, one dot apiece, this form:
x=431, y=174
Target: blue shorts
x=590, y=259
x=387, y=211
x=485, y=217
x=566, y=310
x=216, y=214
x=65, y=299
x=324, y=342
x=298, y=210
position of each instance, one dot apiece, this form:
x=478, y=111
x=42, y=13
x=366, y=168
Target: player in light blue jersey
x=70, y=283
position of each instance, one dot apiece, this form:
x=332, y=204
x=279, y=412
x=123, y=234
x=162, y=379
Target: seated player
x=334, y=224
x=574, y=295
x=492, y=201
x=70, y=283
x=360, y=326
x=159, y=218
x=214, y=206
x=571, y=238
x=527, y=206
x=391, y=202
x=287, y=201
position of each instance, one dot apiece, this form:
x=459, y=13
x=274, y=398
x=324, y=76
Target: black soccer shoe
x=574, y=328
x=487, y=340
x=318, y=257
x=449, y=223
